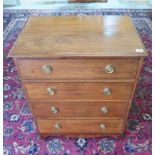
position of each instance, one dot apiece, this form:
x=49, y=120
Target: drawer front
x=61, y=69
x=80, y=126
x=79, y=109
x=79, y=91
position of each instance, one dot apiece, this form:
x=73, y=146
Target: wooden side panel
x=134, y=88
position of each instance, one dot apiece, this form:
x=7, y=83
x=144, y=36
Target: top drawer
x=61, y=69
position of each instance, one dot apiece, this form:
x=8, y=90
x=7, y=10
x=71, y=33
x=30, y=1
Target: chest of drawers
x=79, y=72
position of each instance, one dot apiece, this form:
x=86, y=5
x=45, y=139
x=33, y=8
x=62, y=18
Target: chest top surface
x=79, y=36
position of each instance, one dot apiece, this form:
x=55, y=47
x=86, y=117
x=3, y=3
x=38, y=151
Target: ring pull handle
x=51, y=91
x=110, y=68
x=104, y=110
x=54, y=110
x=107, y=91
x=47, y=69
x=103, y=126
x=58, y=126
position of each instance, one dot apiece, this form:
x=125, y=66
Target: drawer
x=80, y=126
x=61, y=69
x=79, y=109
x=79, y=91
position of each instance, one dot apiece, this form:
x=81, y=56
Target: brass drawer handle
x=54, y=110
x=51, y=91
x=109, y=68
x=104, y=109
x=58, y=126
x=103, y=126
x=47, y=69
x=107, y=91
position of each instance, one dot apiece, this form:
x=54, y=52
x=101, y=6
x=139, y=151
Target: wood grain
x=79, y=109
x=78, y=36
x=134, y=88
x=79, y=126
x=79, y=91
x=77, y=48
x=63, y=69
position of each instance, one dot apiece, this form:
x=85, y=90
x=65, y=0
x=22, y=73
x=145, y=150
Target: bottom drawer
x=80, y=126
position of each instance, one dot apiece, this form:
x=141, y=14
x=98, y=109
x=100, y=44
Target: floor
x=57, y=4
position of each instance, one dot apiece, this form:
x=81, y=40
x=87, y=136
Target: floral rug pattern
x=20, y=133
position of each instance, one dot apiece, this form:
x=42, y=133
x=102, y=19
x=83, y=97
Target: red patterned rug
x=20, y=133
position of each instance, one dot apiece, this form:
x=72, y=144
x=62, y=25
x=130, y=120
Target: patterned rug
x=20, y=133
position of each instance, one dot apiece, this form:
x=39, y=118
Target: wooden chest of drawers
x=79, y=72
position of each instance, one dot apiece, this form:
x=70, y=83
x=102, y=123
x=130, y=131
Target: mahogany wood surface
x=63, y=69
x=80, y=126
x=79, y=109
x=79, y=36
x=79, y=91
x=78, y=48
x=133, y=91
